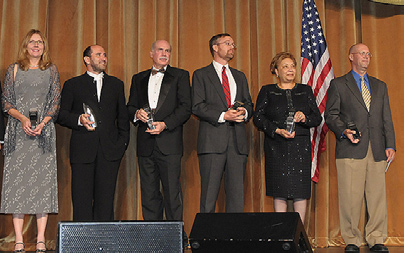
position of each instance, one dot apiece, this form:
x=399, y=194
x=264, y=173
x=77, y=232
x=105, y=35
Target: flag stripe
x=317, y=72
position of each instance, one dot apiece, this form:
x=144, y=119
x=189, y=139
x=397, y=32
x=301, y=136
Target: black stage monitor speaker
x=121, y=236
x=248, y=232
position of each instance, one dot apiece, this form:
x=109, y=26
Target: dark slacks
x=212, y=167
x=167, y=170
x=93, y=189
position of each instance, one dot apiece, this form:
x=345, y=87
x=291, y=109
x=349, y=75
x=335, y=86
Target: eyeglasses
x=227, y=43
x=364, y=53
x=36, y=42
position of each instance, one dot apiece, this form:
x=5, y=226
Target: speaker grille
x=120, y=237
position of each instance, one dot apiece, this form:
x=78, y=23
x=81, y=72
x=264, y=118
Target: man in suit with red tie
x=166, y=93
x=358, y=112
x=222, y=140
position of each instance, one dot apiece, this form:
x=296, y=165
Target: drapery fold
x=260, y=28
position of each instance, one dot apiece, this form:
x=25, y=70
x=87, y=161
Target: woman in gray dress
x=31, y=98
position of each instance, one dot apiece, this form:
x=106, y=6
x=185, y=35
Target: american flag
x=316, y=72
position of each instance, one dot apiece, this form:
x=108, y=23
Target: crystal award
x=87, y=110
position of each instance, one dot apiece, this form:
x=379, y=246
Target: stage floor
x=363, y=249
x=322, y=250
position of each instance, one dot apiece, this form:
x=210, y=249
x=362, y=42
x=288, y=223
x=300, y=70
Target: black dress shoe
x=351, y=248
x=379, y=248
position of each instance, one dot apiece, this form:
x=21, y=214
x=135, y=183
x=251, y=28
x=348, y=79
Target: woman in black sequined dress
x=287, y=154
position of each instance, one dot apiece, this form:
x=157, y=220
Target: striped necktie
x=365, y=93
x=226, y=87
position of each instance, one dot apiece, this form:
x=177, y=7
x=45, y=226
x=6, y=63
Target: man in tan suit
x=358, y=104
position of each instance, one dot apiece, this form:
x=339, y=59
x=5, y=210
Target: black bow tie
x=155, y=71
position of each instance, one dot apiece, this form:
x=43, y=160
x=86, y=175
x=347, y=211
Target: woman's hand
x=38, y=129
x=300, y=117
x=26, y=126
x=285, y=134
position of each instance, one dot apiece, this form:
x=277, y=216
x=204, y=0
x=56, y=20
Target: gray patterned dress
x=30, y=172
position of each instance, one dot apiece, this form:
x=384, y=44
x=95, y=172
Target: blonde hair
x=23, y=55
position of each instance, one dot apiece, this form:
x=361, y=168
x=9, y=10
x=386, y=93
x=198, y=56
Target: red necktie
x=226, y=87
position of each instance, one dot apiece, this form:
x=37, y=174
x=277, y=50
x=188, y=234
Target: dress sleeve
x=314, y=118
x=260, y=119
x=8, y=97
x=52, y=105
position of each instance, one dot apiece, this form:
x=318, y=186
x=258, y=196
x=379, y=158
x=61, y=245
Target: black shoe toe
x=351, y=248
x=379, y=248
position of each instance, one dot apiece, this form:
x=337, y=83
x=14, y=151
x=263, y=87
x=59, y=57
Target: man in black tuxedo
x=362, y=100
x=96, y=147
x=222, y=140
x=166, y=91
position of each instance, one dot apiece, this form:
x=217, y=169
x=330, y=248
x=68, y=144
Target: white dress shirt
x=153, y=89
x=232, y=84
x=98, y=78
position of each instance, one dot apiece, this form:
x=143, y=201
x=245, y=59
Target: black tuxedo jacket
x=345, y=104
x=173, y=107
x=209, y=101
x=112, y=131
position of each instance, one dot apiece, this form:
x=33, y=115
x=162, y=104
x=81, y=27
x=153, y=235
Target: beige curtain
x=260, y=28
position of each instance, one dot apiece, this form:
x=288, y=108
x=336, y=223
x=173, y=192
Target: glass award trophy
x=237, y=104
x=87, y=110
x=290, y=122
x=352, y=126
x=150, y=118
x=33, y=117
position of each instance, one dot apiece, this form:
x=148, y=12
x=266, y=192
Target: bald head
x=355, y=47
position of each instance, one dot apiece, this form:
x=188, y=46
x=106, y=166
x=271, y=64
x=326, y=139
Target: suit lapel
x=166, y=84
x=144, y=86
x=238, y=82
x=214, y=79
x=351, y=83
x=91, y=88
x=103, y=88
x=373, y=91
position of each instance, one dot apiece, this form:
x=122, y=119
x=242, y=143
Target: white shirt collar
x=96, y=76
x=165, y=67
x=219, y=66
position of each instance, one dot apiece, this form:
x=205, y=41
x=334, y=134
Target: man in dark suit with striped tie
x=222, y=140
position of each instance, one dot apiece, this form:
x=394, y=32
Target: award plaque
x=87, y=110
x=150, y=117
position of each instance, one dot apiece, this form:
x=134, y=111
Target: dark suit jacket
x=173, y=107
x=112, y=132
x=209, y=101
x=345, y=103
